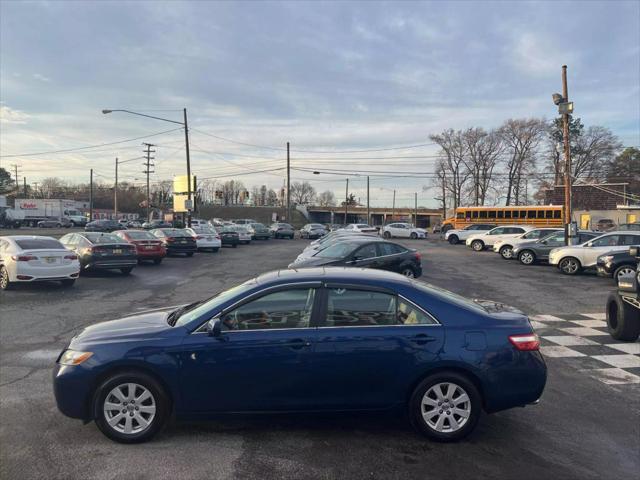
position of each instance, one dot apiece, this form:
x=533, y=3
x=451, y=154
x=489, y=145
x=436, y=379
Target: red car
x=148, y=246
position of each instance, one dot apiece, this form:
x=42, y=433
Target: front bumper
x=72, y=388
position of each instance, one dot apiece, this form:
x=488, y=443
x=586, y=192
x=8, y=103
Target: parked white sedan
x=403, y=230
x=481, y=241
x=573, y=259
x=360, y=228
x=206, y=238
x=34, y=259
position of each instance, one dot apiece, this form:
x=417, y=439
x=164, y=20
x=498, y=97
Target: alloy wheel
x=446, y=407
x=526, y=257
x=569, y=266
x=408, y=272
x=477, y=245
x=129, y=408
x=624, y=271
x=506, y=252
x=4, y=278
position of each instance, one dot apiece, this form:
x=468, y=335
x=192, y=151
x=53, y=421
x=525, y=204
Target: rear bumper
x=182, y=249
x=44, y=274
x=107, y=264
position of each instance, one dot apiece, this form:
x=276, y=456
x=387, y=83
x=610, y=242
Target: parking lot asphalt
x=583, y=428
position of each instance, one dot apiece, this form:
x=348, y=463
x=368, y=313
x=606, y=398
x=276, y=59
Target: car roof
x=329, y=274
x=27, y=237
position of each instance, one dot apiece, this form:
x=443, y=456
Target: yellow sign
x=180, y=187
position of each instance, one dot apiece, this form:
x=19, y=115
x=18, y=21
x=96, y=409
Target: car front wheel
x=477, y=245
x=623, y=270
x=414, y=235
x=570, y=266
x=445, y=407
x=527, y=257
x=506, y=252
x=387, y=235
x=130, y=407
x=453, y=239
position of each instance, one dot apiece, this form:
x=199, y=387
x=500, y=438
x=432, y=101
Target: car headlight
x=607, y=258
x=73, y=357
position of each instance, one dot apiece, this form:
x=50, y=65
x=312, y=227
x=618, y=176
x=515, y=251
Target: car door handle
x=422, y=338
x=298, y=343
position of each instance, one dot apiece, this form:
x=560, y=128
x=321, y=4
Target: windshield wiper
x=173, y=317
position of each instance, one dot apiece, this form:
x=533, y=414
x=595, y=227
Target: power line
x=67, y=150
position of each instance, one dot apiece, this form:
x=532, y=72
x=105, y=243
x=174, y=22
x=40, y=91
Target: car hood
x=146, y=324
x=527, y=243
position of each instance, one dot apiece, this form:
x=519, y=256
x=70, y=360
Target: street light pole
x=368, y=210
x=567, y=160
x=115, y=193
x=346, y=202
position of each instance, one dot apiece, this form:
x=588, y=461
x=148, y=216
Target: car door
x=493, y=236
x=260, y=362
x=599, y=246
x=389, y=257
x=365, y=356
x=365, y=256
x=403, y=231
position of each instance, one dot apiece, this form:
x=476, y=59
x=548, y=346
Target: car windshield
x=98, y=238
x=339, y=250
x=213, y=302
x=39, y=243
x=140, y=235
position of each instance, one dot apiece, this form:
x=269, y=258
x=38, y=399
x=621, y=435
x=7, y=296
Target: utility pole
x=24, y=179
x=91, y=196
x=567, y=160
x=186, y=140
x=415, y=209
x=35, y=189
x=15, y=169
x=368, y=212
x=346, y=202
x=115, y=193
x=148, y=165
x=288, y=184
x=393, y=208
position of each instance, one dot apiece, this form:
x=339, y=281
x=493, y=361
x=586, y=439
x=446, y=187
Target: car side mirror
x=544, y=242
x=214, y=327
x=590, y=244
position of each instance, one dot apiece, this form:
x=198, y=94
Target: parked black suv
x=615, y=264
x=623, y=305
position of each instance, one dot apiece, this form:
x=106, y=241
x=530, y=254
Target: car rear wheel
x=453, y=239
x=623, y=320
x=477, y=245
x=408, y=272
x=126, y=271
x=413, y=235
x=5, y=284
x=68, y=283
x=570, y=266
x=445, y=407
x=623, y=270
x=527, y=257
x=506, y=252
x=189, y=254
x=235, y=245
x=130, y=407
x=387, y=235
x=157, y=261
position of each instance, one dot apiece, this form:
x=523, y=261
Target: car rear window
x=40, y=243
x=140, y=235
x=98, y=238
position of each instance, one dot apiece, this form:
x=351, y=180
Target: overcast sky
x=331, y=76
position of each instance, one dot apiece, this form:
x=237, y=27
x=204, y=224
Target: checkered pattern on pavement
x=583, y=340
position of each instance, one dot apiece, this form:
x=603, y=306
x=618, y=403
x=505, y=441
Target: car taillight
x=418, y=256
x=97, y=250
x=24, y=258
x=199, y=237
x=526, y=342
x=171, y=239
x=70, y=257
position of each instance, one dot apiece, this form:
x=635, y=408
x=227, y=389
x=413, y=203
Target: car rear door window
x=390, y=249
x=629, y=240
x=410, y=314
x=367, y=251
x=352, y=308
x=284, y=309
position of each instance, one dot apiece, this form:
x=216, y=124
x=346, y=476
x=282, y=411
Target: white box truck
x=29, y=211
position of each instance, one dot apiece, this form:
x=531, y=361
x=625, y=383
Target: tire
x=72, y=224
x=570, y=266
x=235, y=245
x=68, y=283
x=477, y=245
x=436, y=415
x=623, y=320
x=58, y=225
x=157, y=261
x=157, y=406
x=413, y=235
x=506, y=252
x=5, y=283
x=527, y=257
x=454, y=240
x=189, y=254
x=408, y=272
x=623, y=269
x=214, y=250
x=291, y=237
x=387, y=235
x=126, y=271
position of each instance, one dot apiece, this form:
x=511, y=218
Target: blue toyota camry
x=320, y=339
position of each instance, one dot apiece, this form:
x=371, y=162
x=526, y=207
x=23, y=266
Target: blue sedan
x=321, y=339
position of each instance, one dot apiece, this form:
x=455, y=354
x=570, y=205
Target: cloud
x=9, y=115
x=42, y=78
x=537, y=55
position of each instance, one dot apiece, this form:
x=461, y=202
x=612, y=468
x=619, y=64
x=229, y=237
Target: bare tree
x=521, y=138
x=327, y=199
x=439, y=181
x=484, y=149
x=52, y=187
x=453, y=150
x=272, y=198
x=255, y=195
x=302, y=193
x=231, y=192
x=594, y=150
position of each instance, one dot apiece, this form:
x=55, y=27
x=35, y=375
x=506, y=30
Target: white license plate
x=117, y=250
x=149, y=247
x=50, y=259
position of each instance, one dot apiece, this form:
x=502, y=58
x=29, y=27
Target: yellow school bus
x=535, y=215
